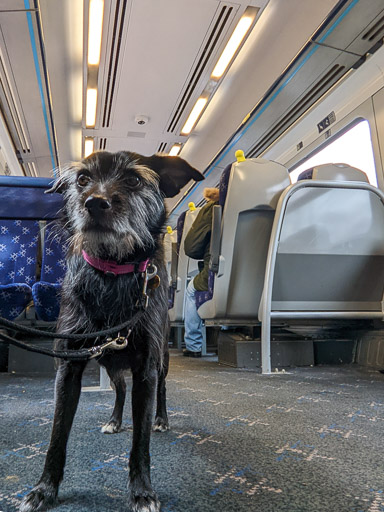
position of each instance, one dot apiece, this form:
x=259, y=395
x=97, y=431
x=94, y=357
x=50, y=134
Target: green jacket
x=197, y=244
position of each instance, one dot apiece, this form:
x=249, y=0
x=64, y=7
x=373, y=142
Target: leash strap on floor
x=73, y=355
x=86, y=336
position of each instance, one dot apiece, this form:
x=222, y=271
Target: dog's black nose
x=96, y=204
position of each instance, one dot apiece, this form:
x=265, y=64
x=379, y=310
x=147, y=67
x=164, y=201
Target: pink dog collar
x=113, y=268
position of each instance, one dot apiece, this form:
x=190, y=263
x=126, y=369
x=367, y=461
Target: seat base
x=237, y=351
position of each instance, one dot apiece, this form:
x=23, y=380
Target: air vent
x=102, y=142
x=114, y=56
x=162, y=147
x=11, y=112
x=377, y=30
x=137, y=135
x=205, y=55
x=320, y=88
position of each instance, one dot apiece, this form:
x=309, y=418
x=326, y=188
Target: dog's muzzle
x=97, y=205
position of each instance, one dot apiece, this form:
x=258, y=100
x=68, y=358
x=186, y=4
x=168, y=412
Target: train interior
x=280, y=104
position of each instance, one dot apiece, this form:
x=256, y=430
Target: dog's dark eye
x=83, y=180
x=133, y=181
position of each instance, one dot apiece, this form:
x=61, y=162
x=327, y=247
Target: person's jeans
x=192, y=322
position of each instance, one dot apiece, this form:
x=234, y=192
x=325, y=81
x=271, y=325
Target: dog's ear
x=174, y=172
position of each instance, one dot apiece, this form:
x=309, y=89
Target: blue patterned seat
x=18, y=256
x=47, y=292
x=201, y=297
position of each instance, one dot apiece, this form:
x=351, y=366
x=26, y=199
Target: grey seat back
x=331, y=251
x=254, y=188
x=338, y=172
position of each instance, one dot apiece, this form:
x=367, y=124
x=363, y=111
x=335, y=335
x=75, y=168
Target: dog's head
x=115, y=201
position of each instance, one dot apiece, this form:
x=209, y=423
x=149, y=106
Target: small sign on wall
x=326, y=122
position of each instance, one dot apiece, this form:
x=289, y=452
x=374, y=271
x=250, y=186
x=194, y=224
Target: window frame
x=313, y=141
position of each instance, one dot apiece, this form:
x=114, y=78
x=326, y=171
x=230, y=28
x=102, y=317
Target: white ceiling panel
x=151, y=53
x=158, y=58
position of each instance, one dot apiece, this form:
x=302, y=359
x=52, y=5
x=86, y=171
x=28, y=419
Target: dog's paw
x=146, y=502
x=40, y=498
x=111, y=427
x=160, y=425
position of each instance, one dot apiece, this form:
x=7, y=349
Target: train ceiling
x=157, y=59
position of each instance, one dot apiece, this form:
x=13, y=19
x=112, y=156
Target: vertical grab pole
x=266, y=343
x=105, y=383
x=266, y=301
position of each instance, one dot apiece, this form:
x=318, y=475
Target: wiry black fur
x=128, y=227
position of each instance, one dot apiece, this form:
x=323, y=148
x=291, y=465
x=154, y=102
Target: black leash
x=30, y=330
x=117, y=343
x=73, y=355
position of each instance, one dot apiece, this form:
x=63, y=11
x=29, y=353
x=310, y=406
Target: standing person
x=196, y=246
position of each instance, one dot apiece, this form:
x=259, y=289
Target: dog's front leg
x=114, y=424
x=161, y=420
x=142, y=498
x=68, y=388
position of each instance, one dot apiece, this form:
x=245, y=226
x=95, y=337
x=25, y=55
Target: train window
x=353, y=147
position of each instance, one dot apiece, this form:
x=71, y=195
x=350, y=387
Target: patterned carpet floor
x=307, y=440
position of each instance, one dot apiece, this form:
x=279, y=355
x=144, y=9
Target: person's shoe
x=189, y=353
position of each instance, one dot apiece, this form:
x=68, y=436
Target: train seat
x=242, y=223
x=18, y=257
x=204, y=296
x=183, y=267
x=24, y=203
x=46, y=292
x=326, y=255
x=334, y=172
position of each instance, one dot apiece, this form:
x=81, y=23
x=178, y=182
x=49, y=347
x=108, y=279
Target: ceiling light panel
x=88, y=146
x=194, y=115
x=175, y=150
x=232, y=46
x=95, y=31
x=90, y=113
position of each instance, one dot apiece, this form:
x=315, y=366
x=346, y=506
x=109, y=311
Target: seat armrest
x=174, y=260
x=215, y=239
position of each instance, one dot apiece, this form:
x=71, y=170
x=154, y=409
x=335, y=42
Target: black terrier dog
x=115, y=216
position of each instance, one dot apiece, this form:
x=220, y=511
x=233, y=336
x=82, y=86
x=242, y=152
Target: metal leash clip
x=149, y=274
x=118, y=343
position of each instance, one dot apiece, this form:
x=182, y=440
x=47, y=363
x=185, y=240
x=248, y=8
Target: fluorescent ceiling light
x=88, y=146
x=175, y=150
x=194, y=115
x=90, y=113
x=95, y=31
x=232, y=46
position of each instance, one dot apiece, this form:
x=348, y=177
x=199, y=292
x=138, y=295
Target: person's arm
x=198, y=237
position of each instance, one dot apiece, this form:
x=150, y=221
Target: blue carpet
x=308, y=440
